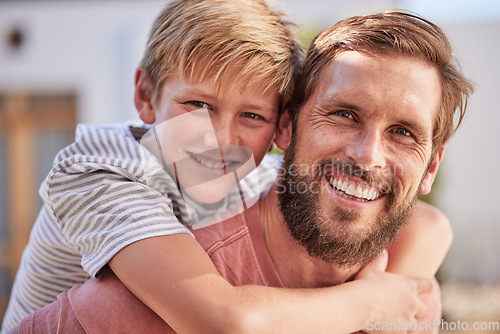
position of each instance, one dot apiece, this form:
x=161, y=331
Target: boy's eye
x=251, y=115
x=200, y=104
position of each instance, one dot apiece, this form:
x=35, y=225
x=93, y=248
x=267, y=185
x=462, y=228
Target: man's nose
x=367, y=150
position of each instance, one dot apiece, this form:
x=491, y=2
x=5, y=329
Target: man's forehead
x=354, y=65
x=389, y=81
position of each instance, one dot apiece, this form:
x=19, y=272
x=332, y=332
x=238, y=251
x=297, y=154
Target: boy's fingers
x=421, y=310
x=379, y=263
x=424, y=285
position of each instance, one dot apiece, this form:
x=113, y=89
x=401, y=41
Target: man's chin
x=353, y=221
x=349, y=238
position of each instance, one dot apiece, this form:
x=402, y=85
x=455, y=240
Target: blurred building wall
x=467, y=185
x=91, y=47
x=470, y=185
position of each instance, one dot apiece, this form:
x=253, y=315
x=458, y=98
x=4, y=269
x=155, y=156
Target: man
x=364, y=135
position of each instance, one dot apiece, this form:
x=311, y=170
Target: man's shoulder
x=237, y=233
x=237, y=248
x=120, y=308
x=223, y=234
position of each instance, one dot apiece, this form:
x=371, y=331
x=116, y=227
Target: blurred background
x=66, y=62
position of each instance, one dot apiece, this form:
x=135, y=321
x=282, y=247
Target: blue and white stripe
x=104, y=192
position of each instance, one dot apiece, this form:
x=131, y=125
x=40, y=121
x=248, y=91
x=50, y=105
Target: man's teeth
x=210, y=164
x=368, y=194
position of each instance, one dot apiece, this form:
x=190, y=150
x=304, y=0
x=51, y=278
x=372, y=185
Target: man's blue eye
x=403, y=132
x=345, y=114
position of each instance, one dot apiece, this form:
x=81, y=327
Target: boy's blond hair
x=201, y=38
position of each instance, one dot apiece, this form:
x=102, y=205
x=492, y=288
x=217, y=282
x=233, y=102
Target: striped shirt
x=105, y=192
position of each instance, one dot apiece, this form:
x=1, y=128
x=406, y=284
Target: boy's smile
x=209, y=134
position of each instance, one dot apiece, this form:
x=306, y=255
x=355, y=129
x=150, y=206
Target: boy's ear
x=143, y=96
x=429, y=178
x=284, y=130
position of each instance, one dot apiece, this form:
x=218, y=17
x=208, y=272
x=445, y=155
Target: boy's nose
x=225, y=132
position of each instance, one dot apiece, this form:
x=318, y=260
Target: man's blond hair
x=207, y=38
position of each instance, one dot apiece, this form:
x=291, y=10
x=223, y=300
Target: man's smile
x=354, y=188
x=351, y=190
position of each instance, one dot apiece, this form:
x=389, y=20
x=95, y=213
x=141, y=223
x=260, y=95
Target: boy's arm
x=420, y=247
x=418, y=251
x=188, y=293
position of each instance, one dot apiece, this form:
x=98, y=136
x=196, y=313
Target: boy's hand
x=394, y=300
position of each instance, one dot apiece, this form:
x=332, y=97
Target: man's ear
x=429, y=178
x=143, y=96
x=284, y=130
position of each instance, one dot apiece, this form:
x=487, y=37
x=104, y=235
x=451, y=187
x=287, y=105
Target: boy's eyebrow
x=263, y=107
x=205, y=95
x=201, y=93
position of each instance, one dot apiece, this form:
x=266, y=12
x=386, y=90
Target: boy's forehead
x=226, y=75
x=221, y=85
x=231, y=88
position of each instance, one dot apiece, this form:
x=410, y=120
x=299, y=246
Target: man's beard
x=332, y=239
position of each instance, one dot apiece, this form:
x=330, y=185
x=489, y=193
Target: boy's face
x=207, y=135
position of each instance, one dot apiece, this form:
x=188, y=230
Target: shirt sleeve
x=101, y=211
x=106, y=199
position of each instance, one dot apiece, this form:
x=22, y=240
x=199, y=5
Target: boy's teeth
x=210, y=164
x=350, y=189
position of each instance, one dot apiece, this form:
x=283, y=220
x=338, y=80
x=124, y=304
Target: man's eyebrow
x=333, y=103
x=345, y=105
x=412, y=125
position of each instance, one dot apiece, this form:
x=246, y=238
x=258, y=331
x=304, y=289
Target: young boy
x=109, y=200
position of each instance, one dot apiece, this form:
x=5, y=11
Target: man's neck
x=296, y=268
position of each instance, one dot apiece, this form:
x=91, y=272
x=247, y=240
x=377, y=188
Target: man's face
x=360, y=155
x=206, y=136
